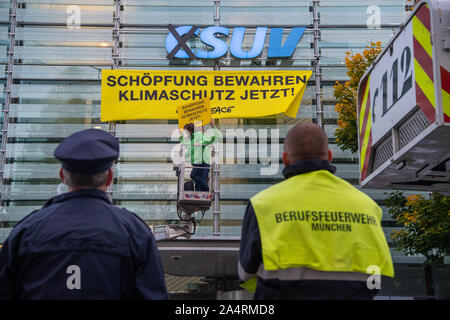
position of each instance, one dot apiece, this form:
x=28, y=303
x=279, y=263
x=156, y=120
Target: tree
x=346, y=95
x=412, y=4
x=425, y=222
x=425, y=229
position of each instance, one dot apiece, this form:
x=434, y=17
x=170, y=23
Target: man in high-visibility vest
x=313, y=235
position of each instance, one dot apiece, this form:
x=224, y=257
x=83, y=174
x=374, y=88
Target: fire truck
x=404, y=106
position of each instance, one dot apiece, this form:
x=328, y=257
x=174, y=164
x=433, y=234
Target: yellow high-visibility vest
x=319, y=221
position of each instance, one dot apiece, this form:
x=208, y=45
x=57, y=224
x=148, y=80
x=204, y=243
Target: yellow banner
x=198, y=112
x=138, y=94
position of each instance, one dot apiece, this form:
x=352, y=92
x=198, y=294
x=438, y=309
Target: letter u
x=238, y=40
x=334, y=216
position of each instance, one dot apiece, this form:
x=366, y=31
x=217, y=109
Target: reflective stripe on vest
x=319, y=221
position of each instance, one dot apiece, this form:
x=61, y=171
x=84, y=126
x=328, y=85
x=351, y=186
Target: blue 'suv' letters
x=176, y=43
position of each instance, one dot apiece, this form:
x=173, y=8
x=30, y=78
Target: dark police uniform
x=80, y=246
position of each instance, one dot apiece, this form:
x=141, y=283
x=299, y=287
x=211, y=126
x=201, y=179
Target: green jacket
x=197, y=145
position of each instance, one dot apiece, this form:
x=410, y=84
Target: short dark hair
x=306, y=141
x=83, y=180
x=189, y=127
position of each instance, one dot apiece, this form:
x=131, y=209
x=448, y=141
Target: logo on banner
x=215, y=38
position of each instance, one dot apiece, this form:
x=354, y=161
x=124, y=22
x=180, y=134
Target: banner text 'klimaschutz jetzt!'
x=139, y=94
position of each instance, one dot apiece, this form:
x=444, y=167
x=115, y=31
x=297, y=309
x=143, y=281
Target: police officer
x=80, y=246
x=312, y=236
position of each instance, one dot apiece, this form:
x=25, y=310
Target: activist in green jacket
x=313, y=235
x=199, y=153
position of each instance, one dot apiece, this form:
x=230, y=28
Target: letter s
x=111, y=81
x=74, y=280
x=208, y=37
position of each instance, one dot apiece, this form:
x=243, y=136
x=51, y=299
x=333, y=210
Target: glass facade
x=51, y=56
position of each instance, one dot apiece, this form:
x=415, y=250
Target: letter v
x=276, y=50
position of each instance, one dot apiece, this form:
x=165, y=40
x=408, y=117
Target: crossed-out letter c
x=176, y=42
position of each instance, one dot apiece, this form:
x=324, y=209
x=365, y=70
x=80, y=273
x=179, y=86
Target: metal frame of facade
x=316, y=63
x=216, y=169
x=9, y=82
x=116, y=62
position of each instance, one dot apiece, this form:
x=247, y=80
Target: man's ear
x=286, y=161
x=61, y=175
x=330, y=155
x=110, y=177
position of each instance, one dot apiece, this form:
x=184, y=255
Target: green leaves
x=346, y=96
x=425, y=222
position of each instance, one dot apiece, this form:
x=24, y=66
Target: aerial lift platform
x=189, y=200
x=215, y=258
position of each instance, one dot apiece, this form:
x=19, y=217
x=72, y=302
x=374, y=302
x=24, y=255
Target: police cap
x=88, y=151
